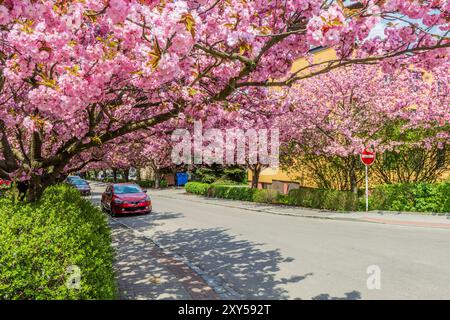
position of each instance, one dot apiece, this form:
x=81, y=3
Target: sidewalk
x=393, y=218
x=145, y=271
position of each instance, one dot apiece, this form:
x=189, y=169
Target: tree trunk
x=256, y=171
x=115, y=175
x=352, y=176
x=22, y=187
x=126, y=174
x=138, y=174
x=36, y=186
x=35, y=190
x=156, y=173
x=157, y=177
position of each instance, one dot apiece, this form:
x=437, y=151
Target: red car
x=125, y=198
x=5, y=184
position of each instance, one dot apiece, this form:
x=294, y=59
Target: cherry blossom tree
x=340, y=113
x=76, y=75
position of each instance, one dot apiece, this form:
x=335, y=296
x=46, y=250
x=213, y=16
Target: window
x=123, y=189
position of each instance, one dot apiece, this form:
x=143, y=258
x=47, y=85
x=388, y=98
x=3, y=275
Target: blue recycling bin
x=181, y=178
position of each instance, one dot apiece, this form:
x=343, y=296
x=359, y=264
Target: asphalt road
x=267, y=256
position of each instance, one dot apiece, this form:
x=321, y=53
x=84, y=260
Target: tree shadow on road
x=352, y=295
x=142, y=222
x=246, y=267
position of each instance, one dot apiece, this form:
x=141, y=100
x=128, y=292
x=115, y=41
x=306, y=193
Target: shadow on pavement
x=139, y=272
x=240, y=264
x=353, y=295
x=143, y=222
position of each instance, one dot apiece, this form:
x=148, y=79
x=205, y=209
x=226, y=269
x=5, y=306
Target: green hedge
x=324, y=199
x=40, y=241
x=400, y=197
x=163, y=184
x=146, y=183
x=234, y=192
x=151, y=184
x=197, y=188
x=419, y=197
x=231, y=192
x=266, y=196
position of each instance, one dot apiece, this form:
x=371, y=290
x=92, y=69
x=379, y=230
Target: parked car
x=124, y=198
x=81, y=185
x=5, y=184
x=70, y=179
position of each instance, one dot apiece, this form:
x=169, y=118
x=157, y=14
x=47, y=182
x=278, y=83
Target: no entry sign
x=367, y=157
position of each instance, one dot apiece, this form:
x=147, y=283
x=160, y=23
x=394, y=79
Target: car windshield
x=80, y=182
x=127, y=189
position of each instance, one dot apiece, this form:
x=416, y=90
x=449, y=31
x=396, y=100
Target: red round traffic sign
x=367, y=157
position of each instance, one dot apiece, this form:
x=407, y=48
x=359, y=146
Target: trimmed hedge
x=324, y=199
x=234, y=192
x=197, y=188
x=231, y=192
x=306, y=197
x=266, y=196
x=418, y=197
x=40, y=241
x=400, y=197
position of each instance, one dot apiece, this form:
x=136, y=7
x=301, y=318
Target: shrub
x=151, y=183
x=324, y=199
x=232, y=192
x=111, y=180
x=419, y=197
x=39, y=241
x=265, y=196
x=197, y=188
x=235, y=174
x=227, y=182
x=163, y=184
x=215, y=173
x=205, y=175
x=282, y=199
x=402, y=197
x=146, y=183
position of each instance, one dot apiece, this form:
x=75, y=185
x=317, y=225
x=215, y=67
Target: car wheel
x=111, y=211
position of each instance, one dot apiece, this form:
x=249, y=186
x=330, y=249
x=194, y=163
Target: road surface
x=267, y=256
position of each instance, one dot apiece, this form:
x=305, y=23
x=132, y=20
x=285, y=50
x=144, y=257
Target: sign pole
x=367, y=189
x=367, y=157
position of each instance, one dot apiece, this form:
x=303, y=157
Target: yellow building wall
x=320, y=55
x=267, y=175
